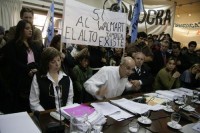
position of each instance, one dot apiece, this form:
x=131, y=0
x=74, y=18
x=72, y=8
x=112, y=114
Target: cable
x=59, y=104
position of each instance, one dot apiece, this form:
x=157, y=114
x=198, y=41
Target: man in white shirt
x=110, y=81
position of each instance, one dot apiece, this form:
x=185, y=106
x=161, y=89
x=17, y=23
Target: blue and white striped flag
x=120, y=5
x=48, y=28
x=138, y=7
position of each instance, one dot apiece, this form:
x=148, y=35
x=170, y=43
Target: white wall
x=184, y=34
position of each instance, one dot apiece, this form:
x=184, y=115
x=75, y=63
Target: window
x=39, y=20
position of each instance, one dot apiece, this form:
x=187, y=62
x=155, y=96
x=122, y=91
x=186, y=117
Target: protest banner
x=87, y=25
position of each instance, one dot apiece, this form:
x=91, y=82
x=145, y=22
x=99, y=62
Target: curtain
x=9, y=13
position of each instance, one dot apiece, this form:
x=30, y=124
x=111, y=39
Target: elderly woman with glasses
x=50, y=86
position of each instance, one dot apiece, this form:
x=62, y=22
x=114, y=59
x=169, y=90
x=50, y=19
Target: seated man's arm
x=95, y=85
x=134, y=85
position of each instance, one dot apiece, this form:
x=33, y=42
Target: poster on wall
x=87, y=25
x=188, y=31
x=157, y=17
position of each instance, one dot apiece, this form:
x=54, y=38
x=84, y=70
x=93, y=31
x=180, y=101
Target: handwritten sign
x=87, y=25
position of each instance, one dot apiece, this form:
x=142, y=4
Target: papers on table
x=154, y=100
x=17, y=123
x=172, y=94
x=188, y=92
x=196, y=127
x=131, y=106
x=167, y=94
x=180, y=92
x=77, y=110
x=114, y=112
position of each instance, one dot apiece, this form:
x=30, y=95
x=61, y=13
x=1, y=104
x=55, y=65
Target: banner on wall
x=158, y=15
x=186, y=32
x=155, y=19
x=84, y=24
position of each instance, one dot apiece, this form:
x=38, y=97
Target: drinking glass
x=133, y=127
x=181, y=100
x=175, y=118
x=97, y=128
x=145, y=116
x=79, y=124
x=187, y=99
x=168, y=104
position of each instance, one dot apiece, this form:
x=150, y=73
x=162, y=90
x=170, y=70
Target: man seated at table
x=111, y=81
x=142, y=79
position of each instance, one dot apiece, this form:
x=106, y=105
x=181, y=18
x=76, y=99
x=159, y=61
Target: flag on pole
x=48, y=29
x=120, y=5
x=138, y=7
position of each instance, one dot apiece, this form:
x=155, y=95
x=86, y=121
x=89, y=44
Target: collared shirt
x=109, y=77
x=30, y=56
x=35, y=93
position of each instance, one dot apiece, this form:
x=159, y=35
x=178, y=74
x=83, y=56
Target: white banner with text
x=87, y=25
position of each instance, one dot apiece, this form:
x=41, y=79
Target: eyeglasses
x=58, y=88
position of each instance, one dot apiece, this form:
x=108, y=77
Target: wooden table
x=158, y=125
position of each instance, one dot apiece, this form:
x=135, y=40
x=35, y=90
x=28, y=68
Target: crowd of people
x=38, y=78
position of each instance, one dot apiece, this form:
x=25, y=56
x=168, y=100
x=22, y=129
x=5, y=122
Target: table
x=158, y=125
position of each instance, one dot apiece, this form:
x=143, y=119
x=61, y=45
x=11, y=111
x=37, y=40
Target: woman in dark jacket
x=23, y=59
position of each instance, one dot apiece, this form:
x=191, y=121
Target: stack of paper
x=114, y=112
x=131, y=106
x=189, y=92
x=78, y=110
x=196, y=127
x=180, y=92
x=167, y=94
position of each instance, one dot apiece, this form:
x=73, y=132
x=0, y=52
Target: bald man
x=110, y=81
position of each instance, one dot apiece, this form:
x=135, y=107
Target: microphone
x=54, y=127
x=59, y=101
